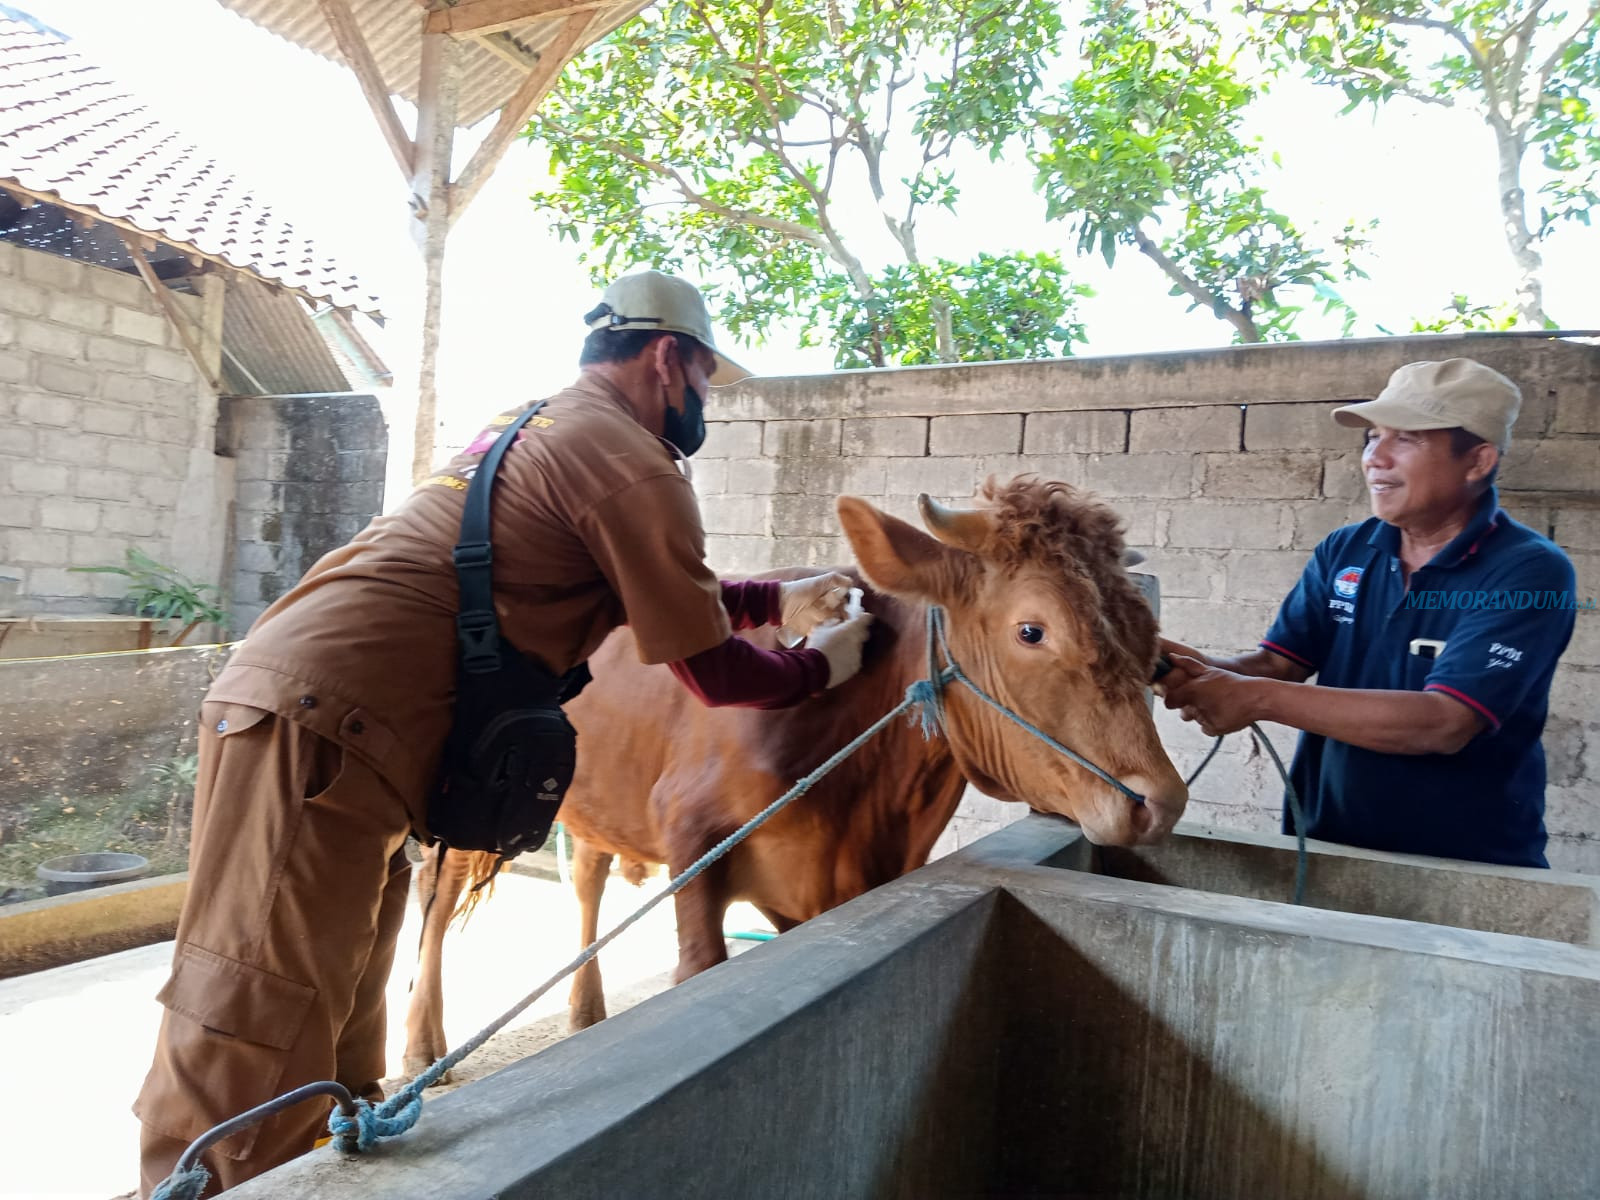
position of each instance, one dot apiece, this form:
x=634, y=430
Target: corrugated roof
x=392, y=29
x=73, y=136
x=271, y=347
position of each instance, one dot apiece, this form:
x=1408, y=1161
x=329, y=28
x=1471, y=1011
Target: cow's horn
x=1132, y=557
x=963, y=528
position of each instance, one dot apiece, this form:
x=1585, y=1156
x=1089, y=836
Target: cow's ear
x=897, y=557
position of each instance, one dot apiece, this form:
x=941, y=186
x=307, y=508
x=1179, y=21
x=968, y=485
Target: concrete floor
x=76, y=1041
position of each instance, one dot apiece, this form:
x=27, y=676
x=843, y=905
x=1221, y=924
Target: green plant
x=163, y=592
x=177, y=778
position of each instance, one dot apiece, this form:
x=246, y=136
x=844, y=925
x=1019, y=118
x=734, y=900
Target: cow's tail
x=481, y=871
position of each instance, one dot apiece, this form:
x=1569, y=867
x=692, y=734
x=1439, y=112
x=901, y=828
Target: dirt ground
x=80, y=1037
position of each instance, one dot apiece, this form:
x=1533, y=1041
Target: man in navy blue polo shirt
x=1433, y=629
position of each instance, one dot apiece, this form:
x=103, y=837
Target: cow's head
x=1043, y=617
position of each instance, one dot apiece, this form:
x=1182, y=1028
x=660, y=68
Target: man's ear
x=1484, y=458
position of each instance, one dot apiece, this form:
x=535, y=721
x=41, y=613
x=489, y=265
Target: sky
x=514, y=294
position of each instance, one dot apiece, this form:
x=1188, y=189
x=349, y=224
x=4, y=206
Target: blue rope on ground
x=183, y=1184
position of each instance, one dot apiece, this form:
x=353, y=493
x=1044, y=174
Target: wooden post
x=430, y=208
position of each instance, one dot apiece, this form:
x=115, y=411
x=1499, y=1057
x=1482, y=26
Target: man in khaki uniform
x=321, y=738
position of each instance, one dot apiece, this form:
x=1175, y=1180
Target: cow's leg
x=439, y=887
x=779, y=922
x=701, y=907
x=586, y=1005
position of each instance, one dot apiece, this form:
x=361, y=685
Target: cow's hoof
x=580, y=1019
x=416, y=1066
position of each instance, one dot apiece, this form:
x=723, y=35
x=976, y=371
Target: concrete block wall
x=105, y=432
x=1226, y=469
x=309, y=476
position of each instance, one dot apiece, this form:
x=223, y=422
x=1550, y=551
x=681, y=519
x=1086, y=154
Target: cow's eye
x=1030, y=635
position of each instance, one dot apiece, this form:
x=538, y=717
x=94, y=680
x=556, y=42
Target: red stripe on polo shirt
x=1277, y=649
x=1464, y=698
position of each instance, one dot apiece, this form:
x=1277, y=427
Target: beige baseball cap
x=1455, y=393
x=652, y=300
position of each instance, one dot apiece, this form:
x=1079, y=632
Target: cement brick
x=115, y=351
x=1574, y=688
x=965, y=436
x=1553, y=465
x=1563, y=750
x=710, y=476
x=801, y=439
x=40, y=478
x=64, y=378
x=135, y=390
x=80, y=312
x=732, y=439
x=758, y=477
x=1194, y=574
x=1316, y=519
x=170, y=364
x=15, y=365
x=8, y=329
x=258, y=557
x=1051, y=468
x=108, y=418
x=1343, y=478
x=1207, y=427
x=1271, y=475
x=46, y=338
x=20, y=511
x=163, y=493
x=1143, y=522
x=831, y=477
x=1233, y=628
x=138, y=457
x=750, y=515
x=259, y=495
x=804, y=516
x=738, y=555
x=37, y=546
x=810, y=552
x=24, y=299
x=936, y=476
x=1532, y=510
x=132, y=520
x=93, y=550
x=47, y=582
x=1263, y=575
x=75, y=449
x=137, y=325
x=52, y=271
x=177, y=397
x=19, y=440
x=1584, y=648
x=97, y=484
x=1580, y=854
x=1226, y=525
x=1297, y=427
x=896, y=437
x=160, y=428
x=1098, y=432
x=120, y=288
x=1577, y=410
x=1577, y=528
x=1140, y=475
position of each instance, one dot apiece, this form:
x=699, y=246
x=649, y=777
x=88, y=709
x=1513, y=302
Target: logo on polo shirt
x=1346, y=581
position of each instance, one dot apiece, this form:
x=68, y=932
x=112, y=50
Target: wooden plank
x=357, y=55
x=174, y=314
x=569, y=40
x=503, y=46
x=489, y=16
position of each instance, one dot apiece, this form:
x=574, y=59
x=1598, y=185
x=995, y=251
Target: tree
x=1463, y=316
x=1152, y=127
x=1529, y=67
x=737, y=140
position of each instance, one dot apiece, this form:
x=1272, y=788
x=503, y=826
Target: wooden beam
x=514, y=116
x=488, y=16
x=353, y=46
x=504, y=46
x=174, y=315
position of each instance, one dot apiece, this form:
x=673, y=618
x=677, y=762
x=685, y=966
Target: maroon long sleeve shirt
x=739, y=674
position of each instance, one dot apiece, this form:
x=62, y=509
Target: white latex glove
x=807, y=603
x=841, y=642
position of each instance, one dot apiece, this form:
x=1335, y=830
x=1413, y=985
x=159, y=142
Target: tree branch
x=1239, y=320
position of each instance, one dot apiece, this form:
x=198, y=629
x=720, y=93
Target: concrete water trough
x=1002, y=1024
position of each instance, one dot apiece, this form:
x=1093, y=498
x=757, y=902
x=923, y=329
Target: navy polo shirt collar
x=1485, y=520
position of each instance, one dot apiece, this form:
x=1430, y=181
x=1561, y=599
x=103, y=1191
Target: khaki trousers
x=297, y=890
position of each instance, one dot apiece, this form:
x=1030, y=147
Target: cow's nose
x=1165, y=798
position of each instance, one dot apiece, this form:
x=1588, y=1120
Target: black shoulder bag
x=511, y=752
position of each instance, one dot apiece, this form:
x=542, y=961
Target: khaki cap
x=652, y=300
x=1455, y=393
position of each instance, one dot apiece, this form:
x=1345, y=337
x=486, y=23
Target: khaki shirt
x=593, y=526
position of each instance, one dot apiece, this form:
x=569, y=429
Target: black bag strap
x=477, y=628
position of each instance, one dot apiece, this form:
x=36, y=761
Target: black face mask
x=686, y=430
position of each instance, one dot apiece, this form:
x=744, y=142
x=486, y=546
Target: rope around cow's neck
x=358, y=1124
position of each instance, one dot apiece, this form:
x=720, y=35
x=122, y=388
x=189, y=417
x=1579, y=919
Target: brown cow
x=1040, y=613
